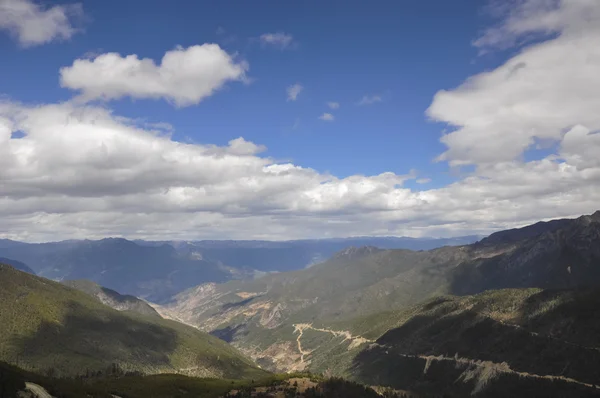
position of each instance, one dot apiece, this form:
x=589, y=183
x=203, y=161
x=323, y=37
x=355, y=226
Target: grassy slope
x=46, y=325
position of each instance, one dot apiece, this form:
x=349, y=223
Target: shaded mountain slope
x=46, y=326
x=111, y=298
x=529, y=231
x=563, y=257
x=536, y=341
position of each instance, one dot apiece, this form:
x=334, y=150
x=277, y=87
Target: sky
x=286, y=120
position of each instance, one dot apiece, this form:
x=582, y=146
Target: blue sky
x=455, y=103
x=403, y=52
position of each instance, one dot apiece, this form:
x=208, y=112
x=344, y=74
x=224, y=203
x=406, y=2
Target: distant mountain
x=272, y=256
x=111, y=298
x=264, y=317
x=17, y=264
x=152, y=272
x=157, y=270
x=50, y=328
x=4, y=243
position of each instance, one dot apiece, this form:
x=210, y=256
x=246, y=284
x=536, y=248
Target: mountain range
x=157, y=270
x=514, y=314
x=310, y=319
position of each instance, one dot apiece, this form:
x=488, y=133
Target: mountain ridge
x=111, y=298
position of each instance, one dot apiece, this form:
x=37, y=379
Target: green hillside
x=53, y=329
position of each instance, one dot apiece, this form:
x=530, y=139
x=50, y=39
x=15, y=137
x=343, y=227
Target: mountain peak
x=593, y=218
x=353, y=251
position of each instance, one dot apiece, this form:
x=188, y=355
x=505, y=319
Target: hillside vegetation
x=53, y=329
x=13, y=382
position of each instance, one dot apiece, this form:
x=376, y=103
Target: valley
x=514, y=309
x=300, y=199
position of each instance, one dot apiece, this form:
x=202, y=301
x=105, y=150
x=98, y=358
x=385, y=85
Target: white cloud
x=526, y=20
x=32, y=24
x=280, y=40
x=184, y=77
x=423, y=180
x=538, y=94
x=333, y=105
x=369, y=100
x=81, y=165
x=80, y=171
x=293, y=91
x=328, y=117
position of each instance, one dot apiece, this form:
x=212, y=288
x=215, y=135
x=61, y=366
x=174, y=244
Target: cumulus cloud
x=73, y=171
x=369, y=100
x=525, y=20
x=539, y=94
x=184, y=77
x=333, y=105
x=293, y=91
x=79, y=171
x=328, y=117
x=279, y=40
x=32, y=24
x=81, y=163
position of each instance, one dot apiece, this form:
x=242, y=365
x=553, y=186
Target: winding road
x=356, y=341
x=299, y=328
x=37, y=391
